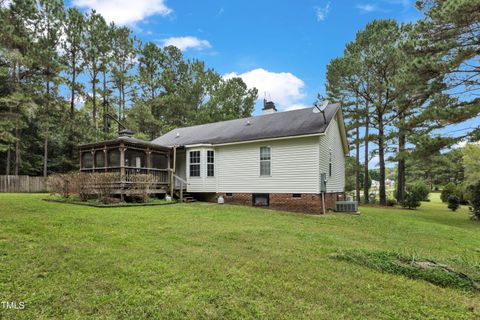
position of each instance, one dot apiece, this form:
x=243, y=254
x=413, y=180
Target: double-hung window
x=194, y=163
x=265, y=161
x=210, y=163
x=330, y=165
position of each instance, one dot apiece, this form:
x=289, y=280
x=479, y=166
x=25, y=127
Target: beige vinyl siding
x=202, y=183
x=294, y=167
x=296, y=164
x=332, y=142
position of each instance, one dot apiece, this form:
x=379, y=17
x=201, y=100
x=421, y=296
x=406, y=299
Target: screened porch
x=128, y=157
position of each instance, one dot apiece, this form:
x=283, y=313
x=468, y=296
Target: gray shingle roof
x=275, y=125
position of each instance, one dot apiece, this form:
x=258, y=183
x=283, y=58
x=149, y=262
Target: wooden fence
x=23, y=184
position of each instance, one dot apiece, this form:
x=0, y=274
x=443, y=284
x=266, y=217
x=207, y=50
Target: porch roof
x=125, y=140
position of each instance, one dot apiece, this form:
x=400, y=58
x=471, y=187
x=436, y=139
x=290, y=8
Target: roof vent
x=125, y=133
x=177, y=135
x=248, y=123
x=268, y=107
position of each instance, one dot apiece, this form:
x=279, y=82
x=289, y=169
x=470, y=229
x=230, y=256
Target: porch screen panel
x=159, y=161
x=134, y=158
x=87, y=160
x=99, y=159
x=114, y=158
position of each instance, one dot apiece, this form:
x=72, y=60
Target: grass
x=96, y=203
x=209, y=261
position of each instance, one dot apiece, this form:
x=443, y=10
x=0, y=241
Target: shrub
x=474, y=200
x=416, y=192
x=104, y=185
x=411, y=200
x=63, y=184
x=372, y=198
x=391, y=202
x=449, y=189
x=84, y=184
x=453, y=202
x=421, y=190
x=461, y=193
x=141, y=184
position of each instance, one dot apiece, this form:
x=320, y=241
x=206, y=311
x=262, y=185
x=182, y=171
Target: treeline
x=62, y=72
x=401, y=84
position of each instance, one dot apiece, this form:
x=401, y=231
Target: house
x=281, y=160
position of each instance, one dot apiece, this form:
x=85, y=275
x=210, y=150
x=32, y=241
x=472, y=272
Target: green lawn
x=210, y=261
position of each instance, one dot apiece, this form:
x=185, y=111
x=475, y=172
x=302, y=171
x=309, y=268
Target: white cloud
x=184, y=43
x=460, y=144
x=125, y=11
x=322, y=12
x=284, y=88
x=367, y=7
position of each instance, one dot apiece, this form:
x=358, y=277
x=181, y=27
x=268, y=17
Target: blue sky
x=280, y=47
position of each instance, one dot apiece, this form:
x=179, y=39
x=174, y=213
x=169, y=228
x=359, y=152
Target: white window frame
x=210, y=163
x=265, y=160
x=196, y=163
x=330, y=164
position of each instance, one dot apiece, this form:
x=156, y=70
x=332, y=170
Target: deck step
x=187, y=197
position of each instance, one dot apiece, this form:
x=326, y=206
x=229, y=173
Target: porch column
x=149, y=159
x=93, y=159
x=172, y=172
x=81, y=160
x=122, y=159
x=105, y=158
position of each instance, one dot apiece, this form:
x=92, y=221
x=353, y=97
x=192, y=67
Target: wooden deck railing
x=160, y=176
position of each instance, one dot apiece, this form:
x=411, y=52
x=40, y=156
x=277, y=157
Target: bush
x=63, y=184
x=391, y=202
x=104, y=185
x=416, y=192
x=453, y=202
x=84, y=182
x=411, y=200
x=141, y=184
x=474, y=200
x=372, y=198
x=421, y=190
x=449, y=189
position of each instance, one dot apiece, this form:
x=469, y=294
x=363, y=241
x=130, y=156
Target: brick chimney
x=268, y=107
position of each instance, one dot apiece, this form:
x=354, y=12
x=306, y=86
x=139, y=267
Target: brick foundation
x=305, y=202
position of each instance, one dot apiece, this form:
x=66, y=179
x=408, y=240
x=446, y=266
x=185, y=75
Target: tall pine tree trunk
x=104, y=103
x=366, y=179
x=18, y=156
x=119, y=107
x=357, y=153
x=9, y=156
x=381, y=156
x=47, y=131
x=9, y=152
x=94, y=103
x=401, y=180
x=74, y=79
